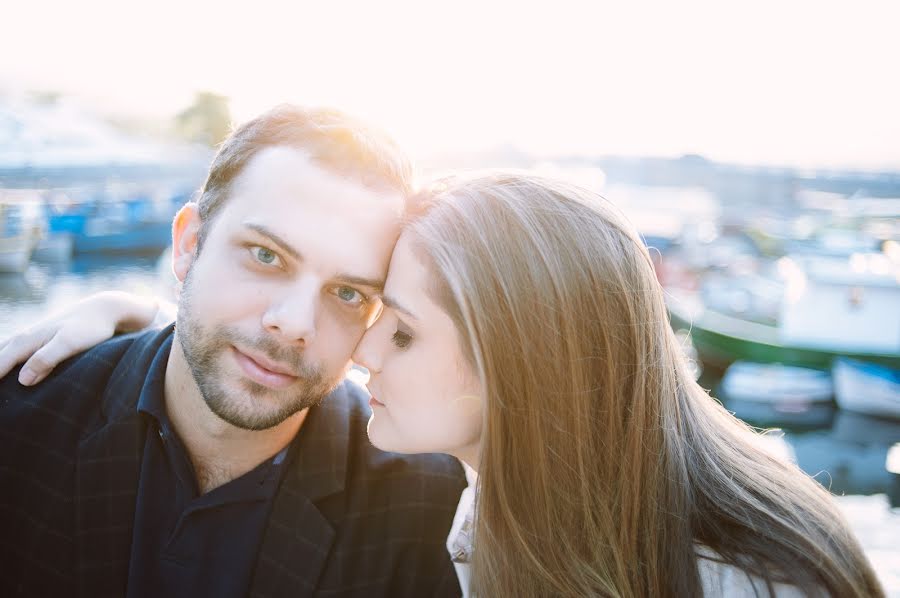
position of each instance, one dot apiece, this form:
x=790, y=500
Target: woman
x=525, y=333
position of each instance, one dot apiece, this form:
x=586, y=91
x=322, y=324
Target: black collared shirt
x=184, y=543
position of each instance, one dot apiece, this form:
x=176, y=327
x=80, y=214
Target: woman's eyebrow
x=392, y=303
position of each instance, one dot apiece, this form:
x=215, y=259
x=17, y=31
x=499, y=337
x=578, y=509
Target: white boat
x=21, y=227
x=776, y=383
x=866, y=387
x=15, y=253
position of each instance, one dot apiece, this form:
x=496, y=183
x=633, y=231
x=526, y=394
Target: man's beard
x=248, y=408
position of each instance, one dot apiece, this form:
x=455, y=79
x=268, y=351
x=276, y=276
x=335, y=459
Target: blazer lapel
x=294, y=548
x=106, y=484
x=107, y=472
x=300, y=531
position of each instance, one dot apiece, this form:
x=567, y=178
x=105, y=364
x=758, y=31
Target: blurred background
x=756, y=147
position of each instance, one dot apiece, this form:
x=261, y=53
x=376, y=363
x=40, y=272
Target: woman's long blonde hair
x=604, y=466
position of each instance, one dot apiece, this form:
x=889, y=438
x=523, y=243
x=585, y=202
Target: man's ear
x=185, y=234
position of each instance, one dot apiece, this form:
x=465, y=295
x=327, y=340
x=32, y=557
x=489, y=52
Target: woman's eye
x=401, y=339
x=349, y=295
x=264, y=256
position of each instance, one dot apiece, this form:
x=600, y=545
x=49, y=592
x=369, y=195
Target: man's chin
x=254, y=407
x=252, y=418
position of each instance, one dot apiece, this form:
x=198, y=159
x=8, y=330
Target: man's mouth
x=263, y=371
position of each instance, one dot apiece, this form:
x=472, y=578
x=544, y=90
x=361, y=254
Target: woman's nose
x=365, y=353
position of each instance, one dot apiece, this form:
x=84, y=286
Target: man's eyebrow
x=264, y=231
x=376, y=284
x=392, y=303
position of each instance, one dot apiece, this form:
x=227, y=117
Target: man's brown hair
x=334, y=141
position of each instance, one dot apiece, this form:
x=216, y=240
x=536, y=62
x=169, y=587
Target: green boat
x=722, y=339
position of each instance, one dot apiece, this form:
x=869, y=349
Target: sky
x=810, y=84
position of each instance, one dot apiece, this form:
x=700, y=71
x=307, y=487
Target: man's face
x=283, y=287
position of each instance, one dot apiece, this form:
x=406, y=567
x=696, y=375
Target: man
x=228, y=457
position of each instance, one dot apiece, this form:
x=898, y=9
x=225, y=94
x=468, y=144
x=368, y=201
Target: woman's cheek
x=469, y=409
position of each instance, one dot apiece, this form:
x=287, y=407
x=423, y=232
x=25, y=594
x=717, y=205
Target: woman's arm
x=87, y=323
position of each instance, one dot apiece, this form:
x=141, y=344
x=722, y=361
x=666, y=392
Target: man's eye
x=264, y=256
x=349, y=295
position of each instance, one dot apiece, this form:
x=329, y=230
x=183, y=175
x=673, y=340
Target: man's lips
x=263, y=371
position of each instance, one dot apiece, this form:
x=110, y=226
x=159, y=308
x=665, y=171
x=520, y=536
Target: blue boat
x=135, y=225
x=868, y=388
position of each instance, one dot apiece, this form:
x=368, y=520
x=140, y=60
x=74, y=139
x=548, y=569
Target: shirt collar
x=152, y=399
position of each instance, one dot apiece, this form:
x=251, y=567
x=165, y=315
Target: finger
x=17, y=349
x=44, y=360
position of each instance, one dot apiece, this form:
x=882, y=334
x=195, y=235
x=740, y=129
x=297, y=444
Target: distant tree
x=45, y=97
x=207, y=120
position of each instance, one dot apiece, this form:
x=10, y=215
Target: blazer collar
x=322, y=450
x=301, y=531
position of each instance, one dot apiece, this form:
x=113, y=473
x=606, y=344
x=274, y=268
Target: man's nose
x=292, y=315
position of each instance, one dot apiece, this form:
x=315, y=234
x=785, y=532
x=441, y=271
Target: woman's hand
x=87, y=323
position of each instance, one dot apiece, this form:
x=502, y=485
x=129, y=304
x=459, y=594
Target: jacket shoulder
x=76, y=389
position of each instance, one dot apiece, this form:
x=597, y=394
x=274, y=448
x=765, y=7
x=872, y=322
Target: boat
x=15, y=253
x=776, y=383
x=21, y=228
x=54, y=247
x=867, y=388
x=722, y=339
x=102, y=236
x=794, y=415
x=139, y=224
x=832, y=307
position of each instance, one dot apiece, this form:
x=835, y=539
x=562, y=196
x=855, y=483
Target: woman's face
x=425, y=395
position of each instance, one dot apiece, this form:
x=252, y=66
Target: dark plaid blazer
x=348, y=520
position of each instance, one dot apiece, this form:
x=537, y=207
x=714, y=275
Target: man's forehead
x=291, y=169
x=335, y=224
x=267, y=158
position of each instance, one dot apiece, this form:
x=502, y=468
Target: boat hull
x=867, y=388
x=15, y=254
x=721, y=340
x=776, y=384
x=145, y=238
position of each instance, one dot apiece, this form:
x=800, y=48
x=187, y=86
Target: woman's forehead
x=408, y=280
